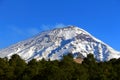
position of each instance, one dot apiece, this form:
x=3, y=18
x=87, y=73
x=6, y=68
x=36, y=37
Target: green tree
x=18, y=65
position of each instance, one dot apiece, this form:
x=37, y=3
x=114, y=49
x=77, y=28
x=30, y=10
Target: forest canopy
x=66, y=69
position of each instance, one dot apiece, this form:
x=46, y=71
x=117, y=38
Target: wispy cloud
x=49, y=27
x=60, y=25
x=24, y=32
x=33, y=30
x=17, y=30
x=45, y=27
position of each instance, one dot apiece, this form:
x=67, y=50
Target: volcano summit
x=53, y=44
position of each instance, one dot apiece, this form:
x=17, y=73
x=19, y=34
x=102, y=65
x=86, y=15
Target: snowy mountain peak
x=55, y=43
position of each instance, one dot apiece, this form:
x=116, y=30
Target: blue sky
x=21, y=19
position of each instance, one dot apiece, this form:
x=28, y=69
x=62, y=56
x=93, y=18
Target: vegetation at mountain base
x=66, y=69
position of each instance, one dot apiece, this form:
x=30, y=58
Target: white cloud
x=16, y=30
x=60, y=25
x=33, y=30
x=49, y=27
x=23, y=32
x=45, y=27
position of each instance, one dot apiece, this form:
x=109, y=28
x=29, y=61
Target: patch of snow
x=55, y=43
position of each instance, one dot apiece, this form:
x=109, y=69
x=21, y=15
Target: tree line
x=66, y=69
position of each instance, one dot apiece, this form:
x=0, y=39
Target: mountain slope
x=55, y=43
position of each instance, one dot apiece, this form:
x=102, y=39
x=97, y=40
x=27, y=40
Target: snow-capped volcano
x=55, y=43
